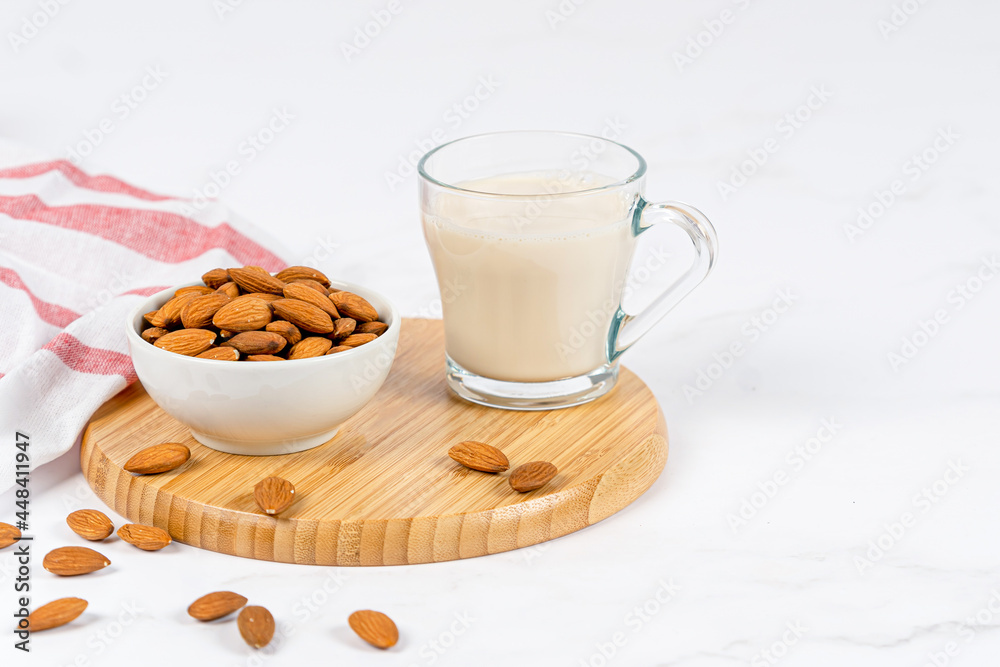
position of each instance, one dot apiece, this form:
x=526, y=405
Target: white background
x=322, y=183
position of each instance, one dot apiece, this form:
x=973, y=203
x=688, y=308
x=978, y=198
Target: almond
x=147, y=538
x=343, y=327
x=263, y=357
x=531, y=476
x=189, y=342
x=303, y=315
x=158, y=458
x=303, y=293
x=216, y=605
x=293, y=273
x=216, y=278
x=90, y=524
x=286, y=330
x=256, y=626
x=194, y=290
x=72, y=561
x=256, y=280
x=339, y=348
x=354, y=340
x=374, y=627
x=353, y=306
x=313, y=346
x=171, y=310
x=264, y=296
x=152, y=334
x=8, y=535
x=56, y=613
x=479, y=456
x=377, y=328
x=257, y=342
x=274, y=495
x=155, y=319
x=312, y=284
x=198, y=312
x=230, y=289
x=243, y=314
x=220, y=354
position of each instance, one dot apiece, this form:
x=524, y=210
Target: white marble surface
x=824, y=361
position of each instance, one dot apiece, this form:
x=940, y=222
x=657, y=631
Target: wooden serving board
x=383, y=491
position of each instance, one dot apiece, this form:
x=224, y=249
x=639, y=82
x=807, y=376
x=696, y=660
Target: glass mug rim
x=636, y=175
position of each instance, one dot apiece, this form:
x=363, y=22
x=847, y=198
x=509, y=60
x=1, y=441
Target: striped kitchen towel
x=77, y=253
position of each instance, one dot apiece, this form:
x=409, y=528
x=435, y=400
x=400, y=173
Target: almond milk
x=529, y=285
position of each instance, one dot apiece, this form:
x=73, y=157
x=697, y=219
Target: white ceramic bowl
x=265, y=407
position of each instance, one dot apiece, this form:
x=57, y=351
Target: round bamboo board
x=383, y=491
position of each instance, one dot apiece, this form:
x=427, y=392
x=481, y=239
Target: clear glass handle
x=627, y=329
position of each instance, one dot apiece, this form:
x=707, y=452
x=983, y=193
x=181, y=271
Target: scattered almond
x=73, y=561
x=479, y=456
x=274, y=495
x=531, y=476
x=90, y=524
x=220, y=354
x=243, y=314
x=8, y=535
x=147, y=538
x=353, y=306
x=293, y=273
x=314, y=346
x=56, y=613
x=158, y=458
x=256, y=626
x=304, y=315
x=216, y=605
x=257, y=342
x=189, y=342
x=254, y=279
x=374, y=627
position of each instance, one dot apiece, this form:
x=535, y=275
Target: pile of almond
x=248, y=314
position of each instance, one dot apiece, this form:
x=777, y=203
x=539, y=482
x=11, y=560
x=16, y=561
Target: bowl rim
x=142, y=308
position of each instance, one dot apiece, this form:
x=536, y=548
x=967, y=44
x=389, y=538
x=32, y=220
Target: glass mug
x=531, y=235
